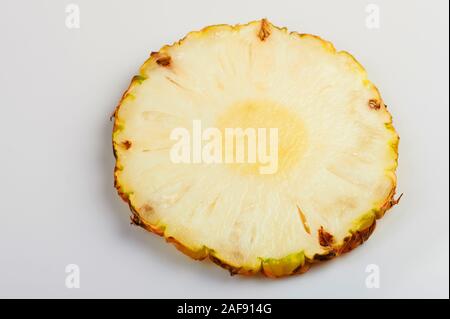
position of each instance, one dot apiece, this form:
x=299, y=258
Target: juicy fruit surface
x=337, y=148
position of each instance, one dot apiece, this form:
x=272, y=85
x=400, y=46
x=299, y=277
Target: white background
x=58, y=205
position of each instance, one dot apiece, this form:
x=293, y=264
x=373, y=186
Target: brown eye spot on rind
x=126, y=144
x=374, y=104
x=325, y=238
x=264, y=31
x=161, y=59
x=164, y=61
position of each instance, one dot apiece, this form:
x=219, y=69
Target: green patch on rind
x=139, y=79
x=286, y=265
x=365, y=220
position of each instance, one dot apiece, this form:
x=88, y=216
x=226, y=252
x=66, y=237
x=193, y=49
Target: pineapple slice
x=337, y=149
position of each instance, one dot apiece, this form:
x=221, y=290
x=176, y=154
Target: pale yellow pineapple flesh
x=337, y=151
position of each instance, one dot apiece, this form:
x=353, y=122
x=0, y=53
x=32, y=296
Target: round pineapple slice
x=337, y=149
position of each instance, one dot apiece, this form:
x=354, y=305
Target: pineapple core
x=291, y=138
